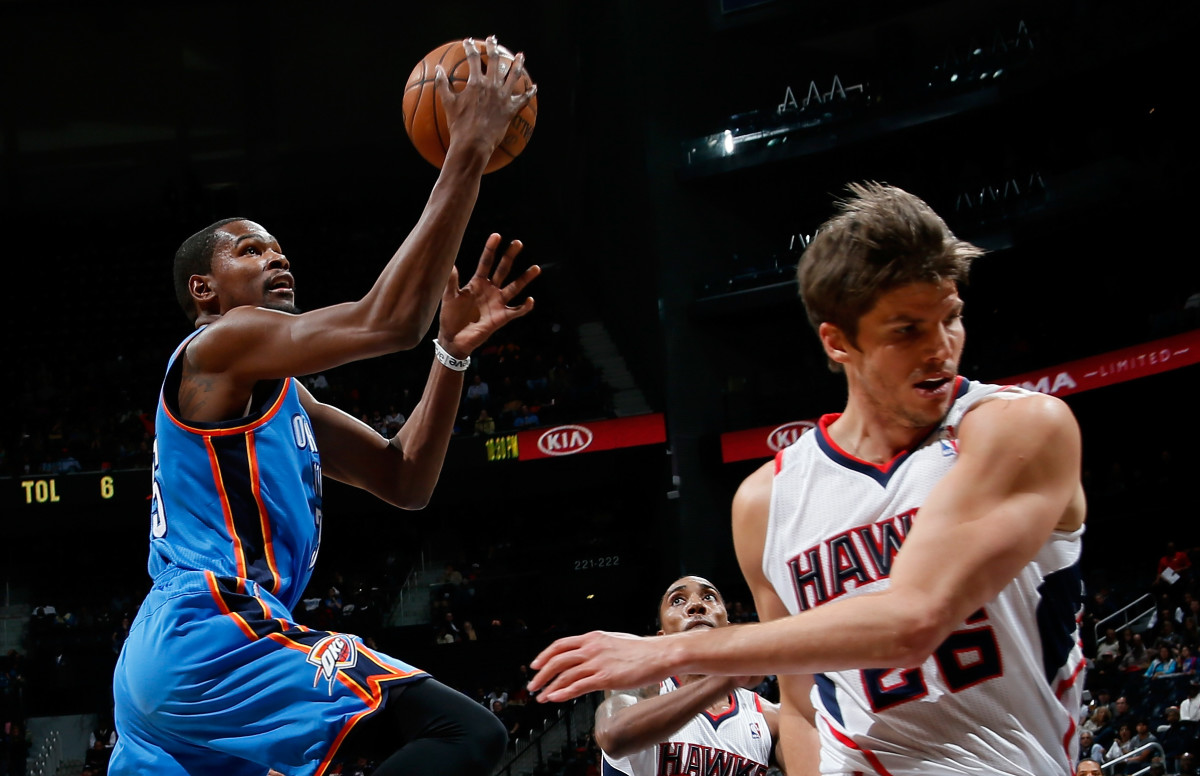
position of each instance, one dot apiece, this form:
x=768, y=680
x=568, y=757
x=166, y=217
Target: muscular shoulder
x=1028, y=419
x=752, y=501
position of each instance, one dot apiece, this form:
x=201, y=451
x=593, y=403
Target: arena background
x=1052, y=133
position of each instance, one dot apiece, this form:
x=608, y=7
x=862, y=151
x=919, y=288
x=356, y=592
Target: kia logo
x=565, y=440
x=784, y=435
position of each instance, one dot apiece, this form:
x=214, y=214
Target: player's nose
x=278, y=261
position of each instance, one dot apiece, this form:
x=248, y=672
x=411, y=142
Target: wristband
x=449, y=361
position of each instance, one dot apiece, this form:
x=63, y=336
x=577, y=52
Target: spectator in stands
x=478, y=395
x=1108, y=645
x=1088, y=748
x=1141, y=738
x=1168, y=636
x=1099, y=724
x=100, y=743
x=1189, y=710
x=1121, y=745
x=1187, y=661
x=1187, y=765
x=1137, y=657
x=1163, y=665
x=509, y=718
x=485, y=424
x=1174, y=566
x=1175, y=736
x=526, y=418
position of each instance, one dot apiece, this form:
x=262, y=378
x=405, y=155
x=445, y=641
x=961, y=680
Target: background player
x=214, y=677
x=711, y=718
x=943, y=642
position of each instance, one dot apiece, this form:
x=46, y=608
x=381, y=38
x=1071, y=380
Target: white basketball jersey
x=736, y=743
x=1000, y=695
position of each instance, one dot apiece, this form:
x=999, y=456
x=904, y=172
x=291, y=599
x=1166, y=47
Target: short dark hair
x=194, y=257
x=881, y=238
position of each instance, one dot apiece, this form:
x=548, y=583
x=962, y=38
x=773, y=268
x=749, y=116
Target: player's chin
x=281, y=304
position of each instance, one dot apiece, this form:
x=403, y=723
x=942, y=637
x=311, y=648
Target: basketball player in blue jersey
x=712, y=722
x=915, y=557
x=216, y=677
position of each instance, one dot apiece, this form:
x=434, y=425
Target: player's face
x=249, y=268
x=908, y=348
x=691, y=602
x=1089, y=768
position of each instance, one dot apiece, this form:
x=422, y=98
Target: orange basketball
x=425, y=121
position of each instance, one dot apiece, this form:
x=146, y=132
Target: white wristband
x=449, y=361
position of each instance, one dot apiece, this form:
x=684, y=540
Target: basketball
x=425, y=121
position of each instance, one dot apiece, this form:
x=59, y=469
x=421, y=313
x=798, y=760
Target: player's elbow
x=612, y=742
x=918, y=628
x=410, y=501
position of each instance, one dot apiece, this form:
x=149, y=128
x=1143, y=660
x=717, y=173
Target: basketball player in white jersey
x=688, y=724
x=916, y=556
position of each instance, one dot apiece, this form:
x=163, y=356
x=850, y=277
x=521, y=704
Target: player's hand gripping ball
x=425, y=120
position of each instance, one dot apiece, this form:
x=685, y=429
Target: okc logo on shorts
x=330, y=654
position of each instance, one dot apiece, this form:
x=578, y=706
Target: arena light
x=728, y=142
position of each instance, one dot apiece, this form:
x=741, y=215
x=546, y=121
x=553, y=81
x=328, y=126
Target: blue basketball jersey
x=215, y=676
x=239, y=498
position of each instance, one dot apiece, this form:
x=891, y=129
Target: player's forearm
x=425, y=437
x=798, y=750
x=405, y=297
x=878, y=630
x=652, y=720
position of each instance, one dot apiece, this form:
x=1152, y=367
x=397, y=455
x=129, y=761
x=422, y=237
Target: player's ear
x=836, y=343
x=201, y=288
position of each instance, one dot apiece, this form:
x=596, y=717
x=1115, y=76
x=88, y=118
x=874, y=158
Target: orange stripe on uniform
x=237, y=618
x=263, y=519
x=239, y=552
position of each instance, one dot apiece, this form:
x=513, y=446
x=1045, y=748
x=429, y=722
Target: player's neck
x=871, y=437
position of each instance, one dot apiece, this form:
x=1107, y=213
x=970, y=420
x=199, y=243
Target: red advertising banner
x=591, y=437
x=1119, y=366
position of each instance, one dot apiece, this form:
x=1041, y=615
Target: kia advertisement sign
x=1119, y=366
x=578, y=438
x=762, y=442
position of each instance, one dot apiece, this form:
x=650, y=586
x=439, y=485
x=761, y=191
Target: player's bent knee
x=489, y=739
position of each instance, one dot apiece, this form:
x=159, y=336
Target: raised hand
x=598, y=660
x=482, y=111
x=474, y=312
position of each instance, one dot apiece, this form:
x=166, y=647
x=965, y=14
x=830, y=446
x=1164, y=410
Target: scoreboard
x=44, y=494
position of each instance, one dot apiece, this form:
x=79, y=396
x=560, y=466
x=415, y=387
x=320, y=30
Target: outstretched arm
x=247, y=344
x=628, y=722
x=1015, y=481
x=404, y=470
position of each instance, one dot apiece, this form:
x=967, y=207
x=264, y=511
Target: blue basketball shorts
x=215, y=678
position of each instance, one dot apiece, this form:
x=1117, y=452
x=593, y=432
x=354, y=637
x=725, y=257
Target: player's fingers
x=547, y=657
x=521, y=100
x=441, y=84
x=484, y=268
x=506, y=262
x=512, y=78
x=517, y=286
x=474, y=61
x=495, y=71
x=451, y=284
x=524, y=308
x=569, y=684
